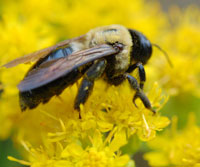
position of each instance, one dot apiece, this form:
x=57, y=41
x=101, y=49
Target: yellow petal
x=118, y=141
x=72, y=150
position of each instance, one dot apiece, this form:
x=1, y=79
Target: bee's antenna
x=165, y=53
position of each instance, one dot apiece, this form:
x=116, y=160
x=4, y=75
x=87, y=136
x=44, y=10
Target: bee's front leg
x=139, y=92
x=87, y=84
x=142, y=74
x=141, y=70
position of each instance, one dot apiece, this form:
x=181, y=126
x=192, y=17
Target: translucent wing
x=52, y=70
x=41, y=53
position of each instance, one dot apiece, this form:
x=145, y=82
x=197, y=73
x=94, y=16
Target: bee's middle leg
x=87, y=84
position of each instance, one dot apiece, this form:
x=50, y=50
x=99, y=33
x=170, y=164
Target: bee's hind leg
x=87, y=84
x=139, y=92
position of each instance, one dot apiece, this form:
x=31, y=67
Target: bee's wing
x=52, y=70
x=41, y=53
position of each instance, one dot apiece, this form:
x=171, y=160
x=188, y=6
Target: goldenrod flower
x=52, y=133
x=176, y=148
x=181, y=42
x=27, y=26
x=107, y=112
x=99, y=153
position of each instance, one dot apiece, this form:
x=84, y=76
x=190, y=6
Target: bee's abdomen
x=31, y=99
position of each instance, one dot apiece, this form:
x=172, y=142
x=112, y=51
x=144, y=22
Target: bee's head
x=141, y=48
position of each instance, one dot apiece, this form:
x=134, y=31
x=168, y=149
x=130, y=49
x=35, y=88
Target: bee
x=109, y=52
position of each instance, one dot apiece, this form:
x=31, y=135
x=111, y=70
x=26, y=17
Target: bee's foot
x=154, y=111
x=79, y=115
x=134, y=99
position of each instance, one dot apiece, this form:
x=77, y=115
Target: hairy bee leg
x=93, y=73
x=142, y=73
x=139, y=92
x=83, y=93
x=132, y=68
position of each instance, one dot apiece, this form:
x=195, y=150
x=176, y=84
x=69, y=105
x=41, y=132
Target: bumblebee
x=108, y=52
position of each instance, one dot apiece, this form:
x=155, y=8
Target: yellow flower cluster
x=181, y=42
x=52, y=134
x=27, y=26
x=109, y=116
x=176, y=148
x=97, y=154
x=179, y=148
